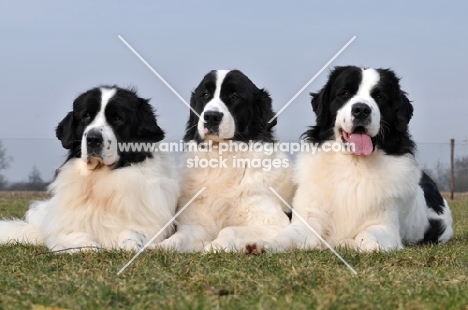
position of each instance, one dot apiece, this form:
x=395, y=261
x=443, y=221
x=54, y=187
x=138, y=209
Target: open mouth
x=361, y=142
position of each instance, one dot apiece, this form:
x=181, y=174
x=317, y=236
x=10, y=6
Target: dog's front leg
x=188, y=238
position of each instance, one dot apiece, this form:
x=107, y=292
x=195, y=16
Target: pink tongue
x=362, y=144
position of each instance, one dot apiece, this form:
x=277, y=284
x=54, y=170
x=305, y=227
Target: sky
x=51, y=51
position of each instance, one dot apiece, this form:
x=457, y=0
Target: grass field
x=418, y=277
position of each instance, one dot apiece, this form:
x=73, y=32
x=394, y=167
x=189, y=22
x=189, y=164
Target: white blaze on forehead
x=106, y=95
x=345, y=119
x=220, y=75
x=370, y=78
x=109, y=152
x=227, y=127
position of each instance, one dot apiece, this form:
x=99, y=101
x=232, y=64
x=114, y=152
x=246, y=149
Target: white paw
x=171, y=244
x=224, y=245
x=214, y=247
x=130, y=245
x=131, y=240
x=369, y=246
x=378, y=241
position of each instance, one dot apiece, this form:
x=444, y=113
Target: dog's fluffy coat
x=372, y=198
x=237, y=204
x=101, y=197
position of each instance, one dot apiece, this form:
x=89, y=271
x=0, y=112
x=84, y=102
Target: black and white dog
x=237, y=203
x=370, y=195
x=103, y=197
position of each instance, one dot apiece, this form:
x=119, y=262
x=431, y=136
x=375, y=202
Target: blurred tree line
x=35, y=181
x=441, y=175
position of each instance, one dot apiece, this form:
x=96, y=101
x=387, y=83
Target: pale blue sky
x=50, y=51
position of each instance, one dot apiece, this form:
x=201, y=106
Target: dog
x=370, y=195
x=103, y=197
x=236, y=204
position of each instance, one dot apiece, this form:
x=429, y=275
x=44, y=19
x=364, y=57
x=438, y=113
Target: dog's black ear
x=65, y=131
x=266, y=109
x=403, y=112
x=147, y=127
x=191, y=129
x=319, y=101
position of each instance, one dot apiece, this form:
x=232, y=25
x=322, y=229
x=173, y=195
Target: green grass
x=418, y=277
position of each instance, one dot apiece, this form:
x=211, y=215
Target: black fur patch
x=434, y=231
x=434, y=199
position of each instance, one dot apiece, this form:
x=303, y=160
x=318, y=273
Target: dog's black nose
x=360, y=111
x=212, y=118
x=94, y=139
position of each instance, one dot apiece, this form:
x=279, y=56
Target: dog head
x=104, y=117
x=365, y=107
x=231, y=107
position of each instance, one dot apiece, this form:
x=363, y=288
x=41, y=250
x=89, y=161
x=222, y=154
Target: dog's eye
x=234, y=97
x=87, y=116
x=205, y=95
x=116, y=118
x=346, y=94
x=378, y=96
